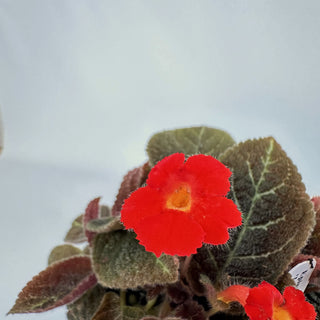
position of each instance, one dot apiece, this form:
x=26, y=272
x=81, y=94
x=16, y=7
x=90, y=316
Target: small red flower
x=183, y=205
x=236, y=292
x=266, y=302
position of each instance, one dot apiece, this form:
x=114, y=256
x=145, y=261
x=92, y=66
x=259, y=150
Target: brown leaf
x=59, y=284
x=92, y=212
x=132, y=181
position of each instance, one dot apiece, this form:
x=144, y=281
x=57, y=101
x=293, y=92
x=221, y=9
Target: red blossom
x=266, y=302
x=236, y=292
x=182, y=206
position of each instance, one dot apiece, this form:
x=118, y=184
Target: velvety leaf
x=92, y=212
x=104, y=211
x=132, y=181
x=104, y=225
x=191, y=310
x=59, y=284
x=111, y=309
x=119, y=261
x=62, y=252
x=76, y=233
x=277, y=214
x=86, y=306
x=313, y=245
x=189, y=141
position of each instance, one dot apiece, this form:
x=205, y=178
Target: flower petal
x=259, y=304
x=142, y=203
x=297, y=305
x=236, y=292
x=209, y=174
x=166, y=171
x=216, y=215
x=171, y=233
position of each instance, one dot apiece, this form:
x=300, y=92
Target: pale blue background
x=84, y=84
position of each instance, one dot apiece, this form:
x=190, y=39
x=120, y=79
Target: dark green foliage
x=86, y=306
x=76, y=232
x=62, y=252
x=278, y=216
x=61, y=283
x=188, y=141
x=120, y=262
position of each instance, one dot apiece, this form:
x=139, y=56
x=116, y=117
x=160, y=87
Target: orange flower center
x=281, y=314
x=180, y=199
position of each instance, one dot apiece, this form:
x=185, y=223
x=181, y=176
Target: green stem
x=150, y=304
x=122, y=298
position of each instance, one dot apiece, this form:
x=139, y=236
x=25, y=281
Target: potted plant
x=207, y=228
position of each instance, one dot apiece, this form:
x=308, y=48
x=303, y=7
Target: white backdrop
x=84, y=84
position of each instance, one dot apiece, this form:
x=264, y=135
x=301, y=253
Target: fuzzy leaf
x=76, y=233
x=59, y=284
x=104, y=211
x=62, y=252
x=189, y=141
x=119, y=261
x=111, y=309
x=313, y=245
x=277, y=215
x=104, y=225
x=92, y=212
x=191, y=310
x=87, y=305
x=132, y=181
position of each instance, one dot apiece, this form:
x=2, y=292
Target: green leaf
x=277, y=215
x=59, y=284
x=111, y=309
x=62, y=252
x=86, y=306
x=76, y=233
x=119, y=261
x=104, y=225
x=189, y=141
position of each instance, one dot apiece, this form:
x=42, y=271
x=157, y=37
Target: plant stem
x=150, y=304
x=122, y=298
x=186, y=264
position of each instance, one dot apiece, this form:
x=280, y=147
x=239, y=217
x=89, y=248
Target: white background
x=84, y=84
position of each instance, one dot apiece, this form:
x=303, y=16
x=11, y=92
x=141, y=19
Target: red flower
x=236, y=292
x=183, y=205
x=266, y=302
